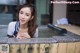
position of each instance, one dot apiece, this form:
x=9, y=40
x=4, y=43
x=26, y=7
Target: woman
x=26, y=26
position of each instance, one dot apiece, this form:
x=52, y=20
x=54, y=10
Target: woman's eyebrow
x=21, y=11
x=27, y=13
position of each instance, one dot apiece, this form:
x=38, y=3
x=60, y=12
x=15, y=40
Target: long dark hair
x=32, y=23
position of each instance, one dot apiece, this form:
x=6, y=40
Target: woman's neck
x=23, y=26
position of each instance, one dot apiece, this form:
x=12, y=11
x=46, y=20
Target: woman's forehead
x=26, y=10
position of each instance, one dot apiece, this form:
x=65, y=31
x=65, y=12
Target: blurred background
x=47, y=12
x=8, y=10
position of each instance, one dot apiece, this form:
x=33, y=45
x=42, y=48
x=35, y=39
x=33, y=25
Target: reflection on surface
x=46, y=32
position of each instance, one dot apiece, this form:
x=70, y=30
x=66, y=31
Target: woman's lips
x=22, y=20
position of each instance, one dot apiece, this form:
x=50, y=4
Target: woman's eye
x=27, y=14
x=21, y=12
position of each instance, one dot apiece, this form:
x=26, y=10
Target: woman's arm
x=11, y=28
x=36, y=33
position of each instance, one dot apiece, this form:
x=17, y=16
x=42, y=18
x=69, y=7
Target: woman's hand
x=23, y=35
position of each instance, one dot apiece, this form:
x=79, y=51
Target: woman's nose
x=23, y=16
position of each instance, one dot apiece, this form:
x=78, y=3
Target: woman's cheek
x=20, y=16
x=27, y=18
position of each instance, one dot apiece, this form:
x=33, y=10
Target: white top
x=11, y=29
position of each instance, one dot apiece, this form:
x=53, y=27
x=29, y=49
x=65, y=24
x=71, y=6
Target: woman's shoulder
x=12, y=23
x=11, y=28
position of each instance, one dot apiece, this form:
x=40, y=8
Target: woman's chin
x=22, y=23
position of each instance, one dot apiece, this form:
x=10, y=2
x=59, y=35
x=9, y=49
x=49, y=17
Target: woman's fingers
x=22, y=36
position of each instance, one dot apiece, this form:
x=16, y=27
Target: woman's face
x=24, y=15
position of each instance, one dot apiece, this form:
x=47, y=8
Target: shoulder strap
x=16, y=29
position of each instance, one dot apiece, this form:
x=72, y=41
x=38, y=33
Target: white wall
x=59, y=11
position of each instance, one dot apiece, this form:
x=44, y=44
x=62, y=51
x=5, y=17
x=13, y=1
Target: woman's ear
x=32, y=17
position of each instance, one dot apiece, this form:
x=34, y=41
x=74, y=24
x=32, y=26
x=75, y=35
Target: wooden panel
x=77, y=47
x=42, y=48
x=62, y=48
x=54, y=48
x=22, y=48
x=47, y=48
x=71, y=47
x=35, y=48
x=26, y=48
x=14, y=48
